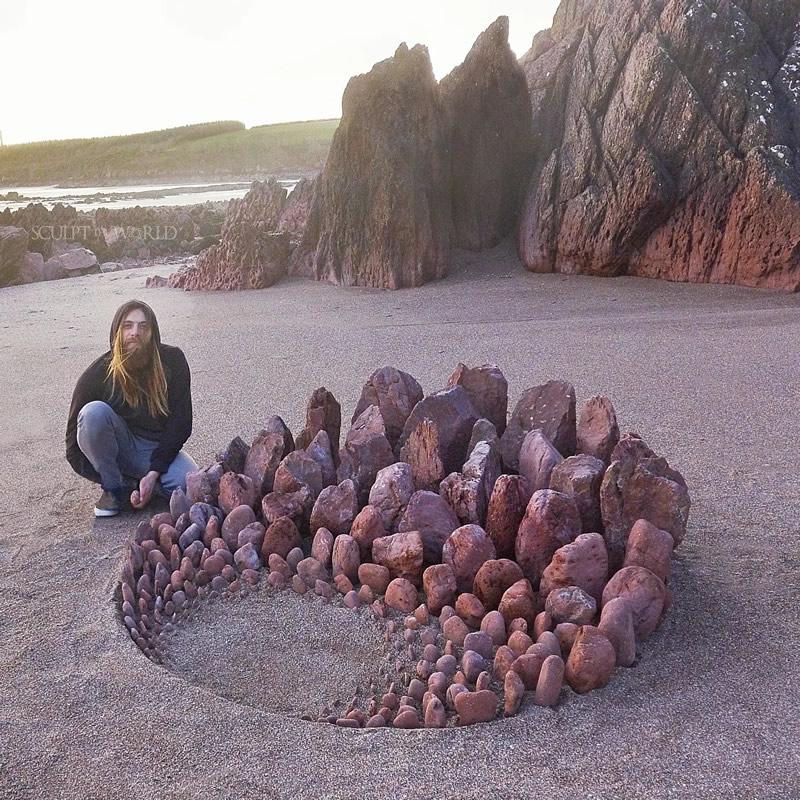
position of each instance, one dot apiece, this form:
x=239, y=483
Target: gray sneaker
x=109, y=504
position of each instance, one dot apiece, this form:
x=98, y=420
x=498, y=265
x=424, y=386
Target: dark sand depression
x=708, y=375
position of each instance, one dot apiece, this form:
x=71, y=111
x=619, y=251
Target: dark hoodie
x=171, y=432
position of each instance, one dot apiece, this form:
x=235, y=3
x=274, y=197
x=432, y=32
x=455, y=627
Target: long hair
x=148, y=385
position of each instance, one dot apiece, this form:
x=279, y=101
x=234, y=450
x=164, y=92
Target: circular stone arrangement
x=496, y=556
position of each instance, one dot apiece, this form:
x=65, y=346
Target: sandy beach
x=708, y=375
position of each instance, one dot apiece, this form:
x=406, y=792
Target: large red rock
x=616, y=623
x=507, y=506
x=401, y=554
x=549, y=407
x=519, y=602
x=645, y=489
x=580, y=477
x=335, y=508
x=323, y=413
x=433, y=518
x=366, y=528
x=454, y=417
x=582, y=563
x=281, y=537
x=320, y=450
x=263, y=460
x=487, y=389
x=598, y=431
x=381, y=215
x=465, y=550
x=422, y=451
x=646, y=593
x=391, y=492
x=296, y=470
x=493, y=578
x=468, y=492
x=439, y=584
x=551, y=521
x=395, y=393
x=366, y=452
x=252, y=254
x=473, y=707
x=297, y=506
x=236, y=490
x=346, y=558
x=708, y=194
x=649, y=547
x=537, y=459
x=571, y=604
x=591, y=660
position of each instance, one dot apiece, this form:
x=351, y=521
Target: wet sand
x=708, y=375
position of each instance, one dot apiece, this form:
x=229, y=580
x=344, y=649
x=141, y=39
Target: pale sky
x=104, y=67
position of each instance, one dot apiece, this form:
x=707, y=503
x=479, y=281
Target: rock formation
x=381, y=212
x=489, y=124
x=666, y=139
x=252, y=254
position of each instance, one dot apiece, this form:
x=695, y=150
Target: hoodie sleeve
x=178, y=426
x=89, y=387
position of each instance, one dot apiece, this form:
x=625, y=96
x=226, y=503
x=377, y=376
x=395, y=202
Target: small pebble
x=277, y=580
x=514, y=692
x=389, y=700
x=427, y=636
x=484, y=681
x=366, y=595
x=409, y=718
x=447, y=664
x=517, y=624
x=409, y=635
x=346, y=722
x=472, y=664
x=519, y=642
x=494, y=625
x=542, y=623
x=412, y=623
x=437, y=682
x=376, y=721
x=424, y=670
x=416, y=688
x=452, y=690
x=435, y=714
x=299, y=585
x=445, y=614
x=480, y=642
x=431, y=653
x=351, y=599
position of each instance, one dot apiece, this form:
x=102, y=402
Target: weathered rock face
x=487, y=389
x=252, y=253
x=489, y=118
x=381, y=211
x=666, y=136
x=13, y=247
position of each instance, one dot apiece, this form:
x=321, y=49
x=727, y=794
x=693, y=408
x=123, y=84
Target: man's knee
x=94, y=413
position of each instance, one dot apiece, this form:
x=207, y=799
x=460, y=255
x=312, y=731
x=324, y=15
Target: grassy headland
x=208, y=152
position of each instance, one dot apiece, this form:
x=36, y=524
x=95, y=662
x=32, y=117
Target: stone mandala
x=492, y=555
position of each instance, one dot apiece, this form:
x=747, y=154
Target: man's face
x=136, y=335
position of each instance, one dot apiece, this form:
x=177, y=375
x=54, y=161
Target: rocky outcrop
x=252, y=254
x=381, y=212
x=489, y=118
x=13, y=247
x=666, y=140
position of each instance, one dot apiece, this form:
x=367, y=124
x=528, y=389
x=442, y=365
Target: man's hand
x=144, y=494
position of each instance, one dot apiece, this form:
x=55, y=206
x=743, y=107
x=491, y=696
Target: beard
x=137, y=356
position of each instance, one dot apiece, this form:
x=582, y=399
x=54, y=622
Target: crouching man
x=131, y=413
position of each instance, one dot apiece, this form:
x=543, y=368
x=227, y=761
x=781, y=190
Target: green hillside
x=211, y=151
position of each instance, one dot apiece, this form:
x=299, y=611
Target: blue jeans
x=119, y=457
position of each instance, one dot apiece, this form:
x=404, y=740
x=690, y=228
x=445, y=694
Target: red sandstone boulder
x=551, y=408
x=296, y=506
x=422, y=450
x=537, y=459
x=320, y=450
x=473, y=707
x=551, y=678
x=346, y=558
x=375, y=576
x=439, y=585
x=571, y=604
x=365, y=453
x=366, y=528
x=649, y=547
x=645, y=591
x=402, y=595
x=234, y=455
x=551, y=521
x=616, y=623
x=401, y=554
x=470, y=609
x=381, y=215
x=468, y=491
x=465, y=550
x=335, y=508
x=582, y=563
x=598, y=432
x=519, y=602
x=238, y=518
x=454, y=417
x=506, y=510
x=487, y=389
x=395, y=393
x=263, y=459
x=296, y=470
x=323, y=413
x=202, y=486
x=645, y=489
x=434, y=519
x=391, y=493
x=580, y=477
x=591, y=660
x=493, y=578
